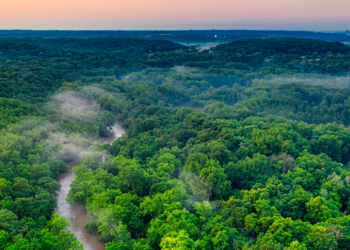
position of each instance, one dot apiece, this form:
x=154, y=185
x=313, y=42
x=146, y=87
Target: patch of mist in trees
x=93, y=91
x=75, y=120
x=71, y=146
x=78, y=112
x=131, y=77
x=200, y=190
x=327, y=81
x=56, y=144
x=73, y=106
x=52, y=148
x=125, y=77
x=182, y=69
x=182, y=76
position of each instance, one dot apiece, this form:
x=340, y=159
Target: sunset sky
x=320, y=15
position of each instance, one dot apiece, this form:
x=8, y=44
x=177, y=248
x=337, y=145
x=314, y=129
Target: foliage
x=222, y=152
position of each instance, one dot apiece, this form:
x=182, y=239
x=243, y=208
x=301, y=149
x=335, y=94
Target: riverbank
x=76, y=213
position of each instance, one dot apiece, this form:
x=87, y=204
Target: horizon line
x=136, y=30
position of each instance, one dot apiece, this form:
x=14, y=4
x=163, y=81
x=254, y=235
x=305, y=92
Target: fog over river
x=76, y=213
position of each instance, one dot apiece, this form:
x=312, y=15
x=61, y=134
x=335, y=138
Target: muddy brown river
x=76, y=213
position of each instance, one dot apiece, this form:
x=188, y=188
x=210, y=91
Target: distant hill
x=184, y=36
x=270, y=47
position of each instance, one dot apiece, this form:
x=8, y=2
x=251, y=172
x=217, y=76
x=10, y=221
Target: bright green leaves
x=7, y=219
x=295, y=245
x=206, y=178
x=268, y=142
x=320, y=238
x=158, y=203
x=131, y=174
x=87, y=183
x=177, y=241
x=320, y=166
x=317, y=210
x=174, y=219
x=3, y=239
x=54, y=235
x=57, y=237
x=121, y=238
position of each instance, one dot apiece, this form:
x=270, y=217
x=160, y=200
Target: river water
x=76, y=213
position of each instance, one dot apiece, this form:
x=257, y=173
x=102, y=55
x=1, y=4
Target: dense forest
x=243, y=146
x=182, y=36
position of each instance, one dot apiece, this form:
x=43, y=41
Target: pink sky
x=321, y=15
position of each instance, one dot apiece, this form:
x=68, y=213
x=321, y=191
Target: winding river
x=76, y=213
